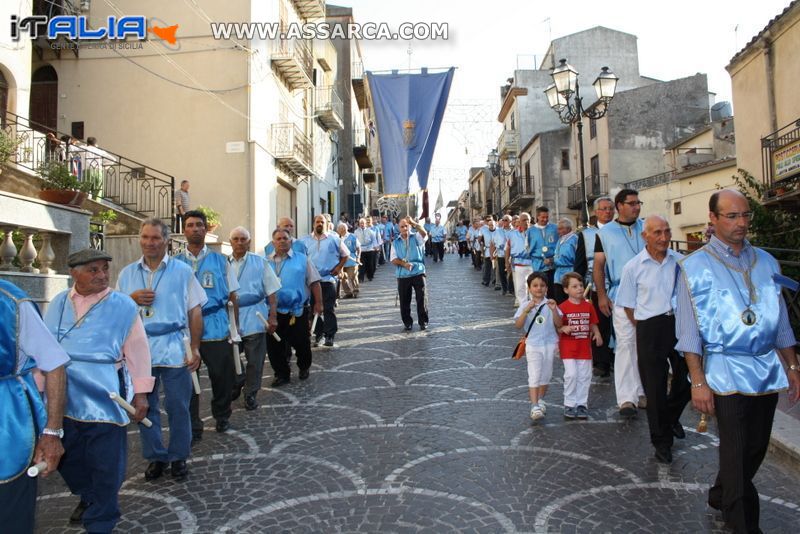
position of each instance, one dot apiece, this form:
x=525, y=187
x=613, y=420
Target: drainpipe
x=769, y=66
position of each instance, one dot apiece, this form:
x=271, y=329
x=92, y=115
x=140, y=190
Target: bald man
x=645, y=292
x=286, y=223
x=734, y=330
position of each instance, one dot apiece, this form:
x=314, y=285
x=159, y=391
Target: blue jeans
x=177, y=383
x=93, y=466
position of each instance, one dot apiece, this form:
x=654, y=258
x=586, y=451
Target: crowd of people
x=711, y=327
x=615, y=299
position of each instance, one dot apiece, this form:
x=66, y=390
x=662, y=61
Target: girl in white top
x=542, y=342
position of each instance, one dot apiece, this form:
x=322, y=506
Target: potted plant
x=8, y=147
x=212, y=218
x=60, y=186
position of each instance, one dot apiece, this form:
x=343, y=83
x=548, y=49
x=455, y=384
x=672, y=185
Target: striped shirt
x=689, y=339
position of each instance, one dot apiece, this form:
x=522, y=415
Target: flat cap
x=87, y=255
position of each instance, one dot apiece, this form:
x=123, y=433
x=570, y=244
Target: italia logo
x=77, y=28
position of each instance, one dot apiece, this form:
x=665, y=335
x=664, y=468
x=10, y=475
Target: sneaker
x=582, y=412
x=536, y=412
x=570, y=412
x=329, y=343
x=542, y=406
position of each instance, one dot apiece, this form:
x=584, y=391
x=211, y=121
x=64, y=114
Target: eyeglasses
x=634, y=203
x=605, y=209
x=746, y=215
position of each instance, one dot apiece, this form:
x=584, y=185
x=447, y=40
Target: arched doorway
x=44, y=99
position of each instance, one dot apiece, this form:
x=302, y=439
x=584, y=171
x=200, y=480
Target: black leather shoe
x=304, y=374
x=423, y=326
x=154, y=470
x=678, y=431
x=250, y=403
x=197, y=437
x=664, y=455
x=77, y=513
x=223, y=425
x=280, y=381
x=179, y=470
x=407, y=328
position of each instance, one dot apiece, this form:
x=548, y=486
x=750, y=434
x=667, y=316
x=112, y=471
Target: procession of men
x=710, y=328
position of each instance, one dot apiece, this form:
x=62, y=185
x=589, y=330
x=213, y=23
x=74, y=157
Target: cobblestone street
x=429, y=431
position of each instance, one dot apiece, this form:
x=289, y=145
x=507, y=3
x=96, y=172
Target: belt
x=666, y=314
x=521, y=264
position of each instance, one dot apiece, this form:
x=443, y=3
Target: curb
x=785, y=441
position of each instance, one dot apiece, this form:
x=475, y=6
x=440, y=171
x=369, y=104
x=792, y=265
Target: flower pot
x=63, y=196
x=212, y=228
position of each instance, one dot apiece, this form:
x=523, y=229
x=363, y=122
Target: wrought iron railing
x=328, y=101
x=772, y=143
x=289, y=142
x=522, y=186
x=596, y=186
x=128, y=184
x=97, y=236
x=651, y=181
x=357, y=70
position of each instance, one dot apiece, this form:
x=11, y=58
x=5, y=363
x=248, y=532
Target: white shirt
x=646, y=285
x=544, y=331
x=36, y=341
x=271, y=282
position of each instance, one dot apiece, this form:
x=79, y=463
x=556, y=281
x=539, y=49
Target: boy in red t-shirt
x=579, y=328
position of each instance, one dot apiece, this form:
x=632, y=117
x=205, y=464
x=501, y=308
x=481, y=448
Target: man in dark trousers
x=645, y=292
x=408, y=256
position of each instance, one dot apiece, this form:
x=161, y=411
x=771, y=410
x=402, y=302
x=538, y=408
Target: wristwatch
x=794, y=367
x=59, y=433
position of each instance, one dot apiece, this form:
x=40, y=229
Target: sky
x=488, y=40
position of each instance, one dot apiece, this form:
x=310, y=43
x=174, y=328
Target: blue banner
x=408, y=112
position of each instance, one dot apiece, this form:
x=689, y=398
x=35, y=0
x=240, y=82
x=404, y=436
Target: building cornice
x=508, y=101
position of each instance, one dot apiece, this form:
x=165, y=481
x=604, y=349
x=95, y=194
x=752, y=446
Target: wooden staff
x=189, y=357
x=128, y=408
x=34, y=470
x=266, y=325
x=314, y=322
x=233, y=334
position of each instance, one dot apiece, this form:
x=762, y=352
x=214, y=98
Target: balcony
x=329, y=108
x=357, y=78
x=508, y=143
x=521, y=193
x=50, y=9
x=310, y=9
x=293, y=60
x=780, y=159
x=596, y=186
x=360, y=150
x=292, y=148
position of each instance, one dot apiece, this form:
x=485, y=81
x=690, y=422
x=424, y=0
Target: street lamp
x=494, y=163
x=565, y=88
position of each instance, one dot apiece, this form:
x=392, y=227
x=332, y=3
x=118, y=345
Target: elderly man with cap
x=170, y=303
x=257, y=288
x=103, y=335
x=328, y=255
x=438, y=234
x=216, y=276
x=25, y=344
x=299, y=279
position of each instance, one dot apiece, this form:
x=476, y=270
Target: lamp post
x=564, y=98
x=494, y=163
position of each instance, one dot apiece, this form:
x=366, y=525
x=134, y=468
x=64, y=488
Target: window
x=592, y=128
x=77, y=130
x=595, y=163
x=565, y=159
x=528, y=169
x=676, y=208
x=513, y=122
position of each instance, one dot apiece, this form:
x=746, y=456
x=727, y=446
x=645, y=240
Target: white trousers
x=520, y=278
x=577, y=379
x=540, y=363
x=626, y=369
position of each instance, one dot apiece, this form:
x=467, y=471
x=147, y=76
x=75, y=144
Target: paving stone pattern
x=429, y=431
